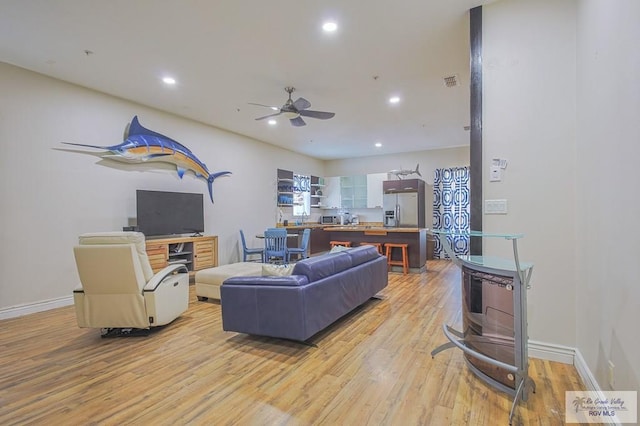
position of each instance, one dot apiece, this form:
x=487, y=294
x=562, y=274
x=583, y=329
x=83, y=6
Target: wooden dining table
x=290, y=243
x=288, y=235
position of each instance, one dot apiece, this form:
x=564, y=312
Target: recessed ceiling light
x=394, y=99
x=329, y=26
x=378, y=145
x=169, y=80
x=272, y=122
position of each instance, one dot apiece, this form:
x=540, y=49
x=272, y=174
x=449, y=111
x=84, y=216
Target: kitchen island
x=416, y=238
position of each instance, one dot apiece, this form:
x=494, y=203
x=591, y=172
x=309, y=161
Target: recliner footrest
x=124, y=332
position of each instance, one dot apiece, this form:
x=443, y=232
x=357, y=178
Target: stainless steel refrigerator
x=407, y=203
x=403, y=203
x=401, y=209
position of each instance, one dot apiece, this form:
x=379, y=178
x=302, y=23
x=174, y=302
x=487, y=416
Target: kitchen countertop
x=300, y=227
x=351, y=228
x=360, y=228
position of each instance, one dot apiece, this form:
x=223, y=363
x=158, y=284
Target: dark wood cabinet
x=319, y=241
x=403, y=185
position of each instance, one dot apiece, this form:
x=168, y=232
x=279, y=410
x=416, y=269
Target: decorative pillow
x=338, y=249
x=277, y=270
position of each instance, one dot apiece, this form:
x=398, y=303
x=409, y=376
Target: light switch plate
x=495, y=174
x=495, y=206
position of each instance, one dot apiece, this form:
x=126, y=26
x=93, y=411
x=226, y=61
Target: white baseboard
x=590, y=381
x=566, y=355
x=585, y=374
x=552, y=352
x=31, y=308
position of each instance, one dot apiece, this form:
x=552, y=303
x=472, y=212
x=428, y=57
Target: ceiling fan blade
x=301, y=103
x=322, y=115
x=263, y=105
x=268, y=116
x=297, y=122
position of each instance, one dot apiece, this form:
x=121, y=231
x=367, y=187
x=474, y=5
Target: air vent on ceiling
x=451, y=81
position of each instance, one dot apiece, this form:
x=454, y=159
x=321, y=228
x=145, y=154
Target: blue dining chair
x=302, y=250
x=275, y=245
x=246, y=252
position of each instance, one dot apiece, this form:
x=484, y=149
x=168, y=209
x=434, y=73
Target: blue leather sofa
x=319, y=291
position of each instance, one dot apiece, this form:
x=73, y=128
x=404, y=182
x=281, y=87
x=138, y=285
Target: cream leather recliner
x=119, y=292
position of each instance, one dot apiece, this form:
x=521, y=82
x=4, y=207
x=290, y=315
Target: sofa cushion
x=289, y=281
x=338, y=249
x=276, y=270
x=316, y=268
x=362, y=254
x=208, y=281
x=216, y=275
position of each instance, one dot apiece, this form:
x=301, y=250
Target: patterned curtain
x=451, y=208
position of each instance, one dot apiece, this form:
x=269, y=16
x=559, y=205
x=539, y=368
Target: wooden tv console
x=195, y=253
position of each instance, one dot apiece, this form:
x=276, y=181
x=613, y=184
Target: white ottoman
x=208, y=281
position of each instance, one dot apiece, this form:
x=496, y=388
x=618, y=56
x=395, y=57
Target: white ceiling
x=227, y=53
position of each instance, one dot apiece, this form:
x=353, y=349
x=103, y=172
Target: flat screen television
x=169, y=213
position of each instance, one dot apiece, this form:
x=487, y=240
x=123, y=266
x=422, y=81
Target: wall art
x=144, y=145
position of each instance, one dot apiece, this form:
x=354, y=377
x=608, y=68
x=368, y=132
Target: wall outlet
x=612, y=376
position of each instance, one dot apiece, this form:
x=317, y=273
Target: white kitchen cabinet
x=374, y=189
x=332, y=192
x=353, y=192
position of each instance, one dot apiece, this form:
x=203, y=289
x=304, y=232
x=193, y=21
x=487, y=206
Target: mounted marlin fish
x=142, y=145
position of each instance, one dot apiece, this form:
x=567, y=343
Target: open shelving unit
x=287, y=193
x=181, y=253
x=285, y=188
x=317, y=194
x=195, y=253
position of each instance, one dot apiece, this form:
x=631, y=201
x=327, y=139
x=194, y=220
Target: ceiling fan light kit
x=294, y=111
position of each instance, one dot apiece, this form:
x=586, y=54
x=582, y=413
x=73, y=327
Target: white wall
x=50, y=196
x=561, y=99
x=529, y=119
x=428, y=161
x=608, y=200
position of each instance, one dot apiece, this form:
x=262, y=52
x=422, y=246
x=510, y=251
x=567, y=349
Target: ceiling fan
x=294, y=111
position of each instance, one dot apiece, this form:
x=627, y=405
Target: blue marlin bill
x=142, y=145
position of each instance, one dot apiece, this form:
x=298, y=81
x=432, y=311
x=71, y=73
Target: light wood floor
x=372, y=367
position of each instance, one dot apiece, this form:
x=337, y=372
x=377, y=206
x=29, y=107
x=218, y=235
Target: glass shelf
x=523, y=268
x=478, y=234
x=496, y=262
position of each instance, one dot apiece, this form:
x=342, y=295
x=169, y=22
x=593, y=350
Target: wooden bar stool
x=376, y=245
x=340, y=243
x=405, y=256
